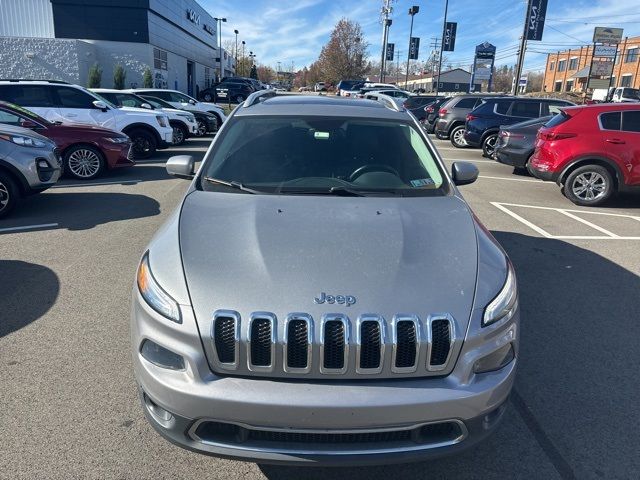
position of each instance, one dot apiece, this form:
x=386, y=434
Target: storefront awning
x=582, y=73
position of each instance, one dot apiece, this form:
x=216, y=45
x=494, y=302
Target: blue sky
x=289, y=31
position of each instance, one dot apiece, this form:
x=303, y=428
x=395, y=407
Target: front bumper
x=196, y=394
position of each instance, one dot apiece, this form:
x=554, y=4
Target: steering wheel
x=358, y=172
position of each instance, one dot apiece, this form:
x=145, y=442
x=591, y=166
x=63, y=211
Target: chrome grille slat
x=337, y=345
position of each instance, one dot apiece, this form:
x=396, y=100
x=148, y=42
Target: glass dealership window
x=159, y=59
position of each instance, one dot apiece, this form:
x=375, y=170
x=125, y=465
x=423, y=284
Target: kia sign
x=390, y=51
x=535, y=19
x=607, y=35
x=450, y=36
x=414, y=47
x=192, y=16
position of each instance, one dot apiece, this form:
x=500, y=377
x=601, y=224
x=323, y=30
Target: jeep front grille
x=405, y=346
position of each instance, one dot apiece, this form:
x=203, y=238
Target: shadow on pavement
x=82, y=210
x=27, y=292
x=574, y=412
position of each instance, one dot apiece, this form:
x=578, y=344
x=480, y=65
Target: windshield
x=631, y=93
x=307, y=155
x=157, y=102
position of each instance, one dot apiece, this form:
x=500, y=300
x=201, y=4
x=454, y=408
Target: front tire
x=83, y=162
x=180, y=134
x=589, y=185
x=457, y=137
x=8, y=194
x=144, y=144
x=489, y=145
x=207, y=97
x=202, y=128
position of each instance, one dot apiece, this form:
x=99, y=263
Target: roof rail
x=388, y=102
x=257, y=97
x=32, y=80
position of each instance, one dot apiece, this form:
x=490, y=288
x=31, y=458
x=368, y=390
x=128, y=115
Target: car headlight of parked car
x=188, y=116
x=154, y=294
x=162, y=120
x=504, y=304
x=117, y=139
x=25, y=141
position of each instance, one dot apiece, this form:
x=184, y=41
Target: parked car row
x=48, y=128
x=233, y=89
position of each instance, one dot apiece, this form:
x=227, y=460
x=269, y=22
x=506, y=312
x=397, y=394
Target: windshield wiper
x=236, y=185
x=339, y=192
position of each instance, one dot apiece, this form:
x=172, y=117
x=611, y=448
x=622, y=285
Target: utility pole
x=444, y=34
x=412, y=11
x=523, y=48
x=385, y=13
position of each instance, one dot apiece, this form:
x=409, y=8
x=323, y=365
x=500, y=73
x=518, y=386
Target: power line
x=567, y=35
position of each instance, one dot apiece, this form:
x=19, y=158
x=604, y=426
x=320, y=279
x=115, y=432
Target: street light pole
x=444, y=34
x=386, y=23
x=412, y=11
x=236, y=52
x=243, y=57
x=220, y=20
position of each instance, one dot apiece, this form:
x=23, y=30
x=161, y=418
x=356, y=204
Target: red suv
x=593, y=151
x=87, y=150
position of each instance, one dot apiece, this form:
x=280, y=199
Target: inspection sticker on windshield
x=321, y=135
x=422, y=182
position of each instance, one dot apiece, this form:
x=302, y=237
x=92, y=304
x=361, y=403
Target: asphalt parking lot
x=69, y=407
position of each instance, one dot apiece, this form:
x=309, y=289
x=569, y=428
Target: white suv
x=183, y=123
x=184, y=102
x=60, y=101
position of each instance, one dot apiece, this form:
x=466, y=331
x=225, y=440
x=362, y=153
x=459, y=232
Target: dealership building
x=61, y=39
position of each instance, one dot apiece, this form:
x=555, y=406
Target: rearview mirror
x=181, y=166
x=464, y=173
x=99, y=104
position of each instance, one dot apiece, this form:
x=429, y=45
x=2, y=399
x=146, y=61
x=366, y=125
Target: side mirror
x=464, y=173
x=181, y=166
x=100, y=105
x=192, y=102
x=29, y=124
x=147, y=106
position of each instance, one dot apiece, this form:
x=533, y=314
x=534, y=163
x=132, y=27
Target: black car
x=207, y=122
x=483, y=123
x=252, y=82
x=431, y=113
x=516, y=143
x=452, y=115
x=416, y=104
x=227, y=91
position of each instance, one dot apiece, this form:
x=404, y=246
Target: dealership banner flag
x=390, y=51
x=450, y=36
x=535, y=19
x=414, y=46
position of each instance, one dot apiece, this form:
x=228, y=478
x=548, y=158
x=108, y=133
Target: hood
x=211, y=105
x=85, y=128
x=139, y=110
x=253, y=253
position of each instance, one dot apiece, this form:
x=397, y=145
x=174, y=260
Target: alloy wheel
x=490, y=145
x=458, y=137
x=141, y=145
x=178, y=135
x=4, y=196
x=589, y=186
x=84, y=163
x=202, y=128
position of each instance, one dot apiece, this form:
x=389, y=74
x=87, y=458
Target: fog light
x=156, y=410
x=495, y=360
x=160, y=356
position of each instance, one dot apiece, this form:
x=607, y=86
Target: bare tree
x=266, y=74
x=345, y=55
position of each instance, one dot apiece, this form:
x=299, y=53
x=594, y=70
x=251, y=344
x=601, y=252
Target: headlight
x=25, y=141
x=153, y=293
x=505, y=303
x=162, y=120
x=117, y=139
x=188, y=116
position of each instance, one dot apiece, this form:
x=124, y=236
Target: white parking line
x=121, y=182
x=28, y=227
x=568, y=213
x=517, y=180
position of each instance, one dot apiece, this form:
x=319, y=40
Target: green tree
x=95, y=76
x=119, y=77
x=147, y=78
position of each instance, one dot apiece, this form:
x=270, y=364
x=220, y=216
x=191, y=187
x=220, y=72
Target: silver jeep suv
x=323, y=294
x=29, y=163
